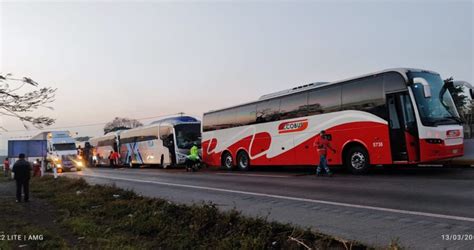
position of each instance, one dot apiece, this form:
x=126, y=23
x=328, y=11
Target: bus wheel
x=227, y=161
x=357, y=160
x=243, y=161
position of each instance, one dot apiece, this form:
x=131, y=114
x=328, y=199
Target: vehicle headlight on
x=79, y=164
x=59, y=165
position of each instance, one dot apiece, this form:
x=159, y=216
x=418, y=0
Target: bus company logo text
x=293, y=126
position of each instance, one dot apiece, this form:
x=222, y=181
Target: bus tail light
x=453, y=133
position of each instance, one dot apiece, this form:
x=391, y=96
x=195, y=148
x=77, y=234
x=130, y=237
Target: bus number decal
x=293, y=126
x=377, y=144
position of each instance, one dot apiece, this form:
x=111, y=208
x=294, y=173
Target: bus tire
x=357, y=160
x=243, y=161
x=227, y=161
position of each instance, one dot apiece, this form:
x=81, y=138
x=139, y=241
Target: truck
x=61, y=150
x=33, y=149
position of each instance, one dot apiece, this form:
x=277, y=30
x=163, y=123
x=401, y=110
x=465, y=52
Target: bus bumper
x=432, y=151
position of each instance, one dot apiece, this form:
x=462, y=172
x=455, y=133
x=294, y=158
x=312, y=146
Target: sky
x=152, y=58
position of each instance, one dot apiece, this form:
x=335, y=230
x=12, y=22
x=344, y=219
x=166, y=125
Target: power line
x=86, y=125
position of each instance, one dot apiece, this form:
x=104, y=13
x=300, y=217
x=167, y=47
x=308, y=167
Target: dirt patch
x=30, y=225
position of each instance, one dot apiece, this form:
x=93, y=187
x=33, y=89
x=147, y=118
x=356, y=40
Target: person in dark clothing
x=88, y=154
x=111, y=159
x=22, y=169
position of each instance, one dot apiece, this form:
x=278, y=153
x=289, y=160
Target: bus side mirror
x=472, y=93
x=425, y=84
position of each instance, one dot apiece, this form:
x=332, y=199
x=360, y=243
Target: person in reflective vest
x=193, y=157
x=322, y=144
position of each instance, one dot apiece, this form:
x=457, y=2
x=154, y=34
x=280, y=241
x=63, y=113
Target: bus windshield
x=64, y=146
x=439, y=109
x=187, y=135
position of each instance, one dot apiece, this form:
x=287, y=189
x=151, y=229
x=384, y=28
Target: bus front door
x=403, y=130
x=397, y=138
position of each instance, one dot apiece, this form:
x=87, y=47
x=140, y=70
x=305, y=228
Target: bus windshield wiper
x=456, y=119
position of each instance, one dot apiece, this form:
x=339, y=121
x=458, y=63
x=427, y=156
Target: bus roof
x=169, y=121
x=109, y=136
x=176, y=120
x=316, y=85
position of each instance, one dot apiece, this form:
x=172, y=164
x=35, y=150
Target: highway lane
x=417, y=206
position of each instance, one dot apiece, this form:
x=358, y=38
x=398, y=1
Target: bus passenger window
x=268, y=111
x=294, y=106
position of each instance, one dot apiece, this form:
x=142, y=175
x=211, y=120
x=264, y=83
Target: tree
x=82, y=138
x=19, y=102
x=457, y=92
x=464, y=105
x=120, y=124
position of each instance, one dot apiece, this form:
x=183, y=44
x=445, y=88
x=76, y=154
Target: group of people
x=86, y=154
x=22, y=168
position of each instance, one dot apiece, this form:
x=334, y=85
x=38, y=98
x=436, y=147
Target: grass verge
x=109, y=217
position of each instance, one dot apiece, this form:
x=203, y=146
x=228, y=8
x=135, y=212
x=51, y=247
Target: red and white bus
x=395, y=116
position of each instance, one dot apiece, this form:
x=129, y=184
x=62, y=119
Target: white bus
x=391, y=117
x=103, y=145
x=165, y=142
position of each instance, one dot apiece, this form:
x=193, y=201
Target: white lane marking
x=430, y=165
x=399, y=211
x=256, y=175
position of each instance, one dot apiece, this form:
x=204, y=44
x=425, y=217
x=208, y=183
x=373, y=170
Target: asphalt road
x=415, y=207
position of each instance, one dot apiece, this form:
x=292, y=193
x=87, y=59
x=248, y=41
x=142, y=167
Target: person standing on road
x=87, y=154
x=22, y=169
x=55, y=170
x=37, y=168
x=111, y=159
x=43, y=166
x=116, y=157
x=322, y=144
x=6, y=168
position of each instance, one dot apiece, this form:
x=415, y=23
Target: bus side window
x=268, y=110
x=245, y=115
x=210, y=121
x=226, y=118
x=294, y=106
x=365, y=94
x=324, y=100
